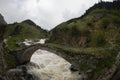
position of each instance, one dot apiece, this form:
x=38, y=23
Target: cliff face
x=2, y=27
x=116, y=69
x=3, y=65
x=2, y=60
x=2, y=21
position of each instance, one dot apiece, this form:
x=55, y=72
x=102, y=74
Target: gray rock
x=2, y=20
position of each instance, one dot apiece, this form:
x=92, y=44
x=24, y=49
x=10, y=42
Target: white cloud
x=46, y=13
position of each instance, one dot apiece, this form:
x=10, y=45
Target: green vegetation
x=2, y=30
x=9, y=59
x=16, y=33
x=100, y=28
x=96, y=33
x=106, y=62
x=73, y=50
x=98, y=39
x=107, y=59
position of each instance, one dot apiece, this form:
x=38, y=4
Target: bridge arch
x=25, y=55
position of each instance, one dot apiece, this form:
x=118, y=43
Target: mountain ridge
x=29, y=22
x=91, y=29
x=16, y=33
x=95, y=33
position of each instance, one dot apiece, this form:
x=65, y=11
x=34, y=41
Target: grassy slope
x=15, y=34
x=18, y=32
x=98, y=32
x=98, y=28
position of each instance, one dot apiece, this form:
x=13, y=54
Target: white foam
x=30, y=42
x=52, y=67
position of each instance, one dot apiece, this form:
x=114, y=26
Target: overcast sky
x=45, y=13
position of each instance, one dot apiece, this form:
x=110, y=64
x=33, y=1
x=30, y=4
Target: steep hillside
x=2, y=21
x=2, y=26
x=98, y=27
x=16, y=33
x=2, y=60
x=92, y=40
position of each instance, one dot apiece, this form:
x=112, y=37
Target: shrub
x=10, y=59
x=98, y=39
x=104, y=23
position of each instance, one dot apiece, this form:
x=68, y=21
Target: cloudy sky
x=45, y=13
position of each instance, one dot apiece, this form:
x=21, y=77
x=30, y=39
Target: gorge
x=84, y=48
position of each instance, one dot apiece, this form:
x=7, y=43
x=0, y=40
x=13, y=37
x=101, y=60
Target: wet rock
x=73, y=69
x=21, y=72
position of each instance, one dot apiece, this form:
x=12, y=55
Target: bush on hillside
x=98, y=39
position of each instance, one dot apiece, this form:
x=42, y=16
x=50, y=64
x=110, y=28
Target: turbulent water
x=44, y=65
x=51, y=67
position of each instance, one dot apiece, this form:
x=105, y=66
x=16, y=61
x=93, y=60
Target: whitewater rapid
x=51, y=67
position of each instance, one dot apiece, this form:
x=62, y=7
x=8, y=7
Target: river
x=43, y=65
x=51, y=67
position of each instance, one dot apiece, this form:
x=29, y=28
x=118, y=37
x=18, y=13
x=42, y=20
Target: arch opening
x=51, y=67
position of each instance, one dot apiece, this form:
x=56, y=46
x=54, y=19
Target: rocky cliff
x=2, y=59
x=2, y=21
x=2, y=62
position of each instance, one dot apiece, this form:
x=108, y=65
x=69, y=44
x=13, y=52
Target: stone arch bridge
x=24, y=55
